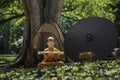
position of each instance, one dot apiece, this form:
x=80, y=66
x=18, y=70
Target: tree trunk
x=41, y=16
x=6, y=32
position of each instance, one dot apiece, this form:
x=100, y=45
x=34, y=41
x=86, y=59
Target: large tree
x=42, y=20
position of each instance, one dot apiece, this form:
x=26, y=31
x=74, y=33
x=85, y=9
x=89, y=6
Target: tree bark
x=39, y=13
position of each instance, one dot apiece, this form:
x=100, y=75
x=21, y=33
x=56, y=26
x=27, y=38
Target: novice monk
x=52, y=59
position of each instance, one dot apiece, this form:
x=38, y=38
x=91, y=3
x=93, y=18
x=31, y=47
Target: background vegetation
x=12, y=18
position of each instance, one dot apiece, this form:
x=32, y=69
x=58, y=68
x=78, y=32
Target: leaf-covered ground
x=99, y=70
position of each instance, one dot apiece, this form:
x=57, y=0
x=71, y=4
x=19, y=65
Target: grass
x=6, y=59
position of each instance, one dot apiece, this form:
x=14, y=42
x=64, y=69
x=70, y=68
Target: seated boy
x=51, y=59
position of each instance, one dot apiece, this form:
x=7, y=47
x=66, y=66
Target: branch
x=11, y=18
x=70, y=18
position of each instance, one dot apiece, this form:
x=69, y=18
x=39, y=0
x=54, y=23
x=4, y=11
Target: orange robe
x=51, y=57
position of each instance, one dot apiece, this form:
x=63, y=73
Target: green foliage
x=14, y=28
x=89, y=8
x=66, y=24
x=76, y=10
x=10, y=8
x=99, y=70
x=73, y=11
